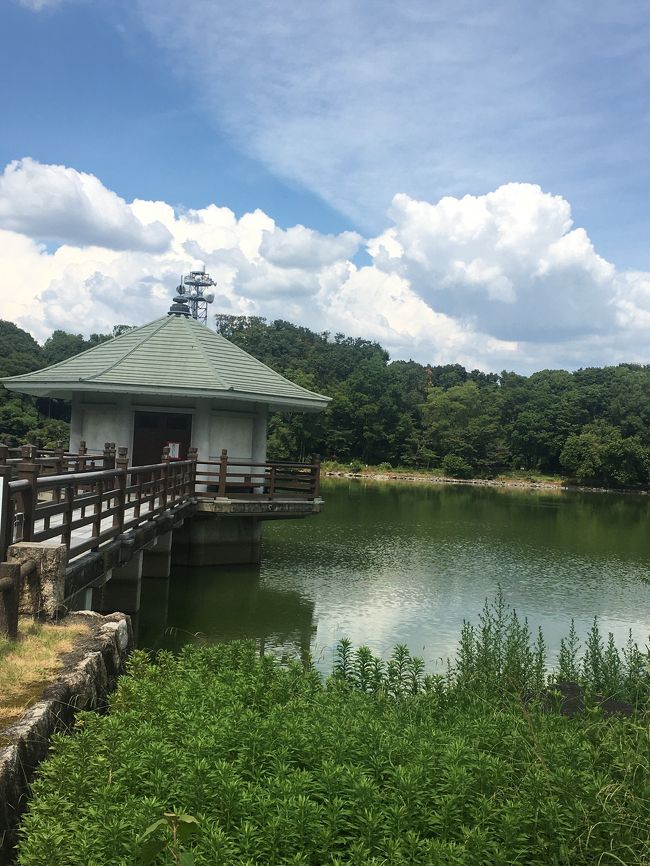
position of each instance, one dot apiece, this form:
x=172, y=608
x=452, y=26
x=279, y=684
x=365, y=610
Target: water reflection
x=391, y=563
x=218, y=604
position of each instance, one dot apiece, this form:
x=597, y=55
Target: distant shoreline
x=515, y=483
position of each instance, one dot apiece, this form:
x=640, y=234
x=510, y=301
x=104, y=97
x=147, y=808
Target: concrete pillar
x=76, y=423
x=122, y=591
x=42, y=594
x=157, y=559
x=210, y=540
x=259, y=435
x=201, y=434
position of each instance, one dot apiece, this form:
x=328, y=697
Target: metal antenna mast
x=193, y=288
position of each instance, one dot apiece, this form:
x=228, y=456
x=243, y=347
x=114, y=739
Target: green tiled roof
x=172, y=355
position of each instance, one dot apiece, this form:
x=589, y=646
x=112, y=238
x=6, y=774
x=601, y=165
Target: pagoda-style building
x=176, y=383
x=172, y=381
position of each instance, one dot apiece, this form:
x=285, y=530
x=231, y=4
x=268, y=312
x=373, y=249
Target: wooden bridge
x=96, y=511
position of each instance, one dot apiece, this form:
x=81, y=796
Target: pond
x=389, y=563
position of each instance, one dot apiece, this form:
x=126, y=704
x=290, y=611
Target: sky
x=464, y=182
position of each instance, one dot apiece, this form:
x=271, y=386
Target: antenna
x=194, y=285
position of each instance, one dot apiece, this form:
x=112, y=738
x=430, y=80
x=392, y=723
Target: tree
x=600, y=454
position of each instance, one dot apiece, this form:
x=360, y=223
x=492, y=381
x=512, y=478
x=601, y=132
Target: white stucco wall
x=99, y=423
x=243, y=434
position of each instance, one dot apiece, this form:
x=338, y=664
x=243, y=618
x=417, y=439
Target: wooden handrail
x=107, y=502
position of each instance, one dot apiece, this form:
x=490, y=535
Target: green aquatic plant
x=377, y=764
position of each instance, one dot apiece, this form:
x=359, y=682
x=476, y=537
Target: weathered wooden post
x=6, y=505
x=223, y=472
x=193, y=455
x=165, y=476
x=9, y=597
x=109, y=455
x=122, y=463
x=315, y=461
x=58, y=470
x=27, y=470
x=81, y=460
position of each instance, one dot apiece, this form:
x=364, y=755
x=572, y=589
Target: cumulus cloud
x=55, y=203
x=499, y=281
x=508, y=262
x=300, y=247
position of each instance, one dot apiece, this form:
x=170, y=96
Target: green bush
x=456, y=467
x=379, y=764
x=357, y=466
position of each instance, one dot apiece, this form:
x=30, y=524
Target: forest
x=591, y=425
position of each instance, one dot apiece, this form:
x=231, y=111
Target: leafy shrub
x=357, y=466
x=384, y=467
x=456, y=467
x=379, y=764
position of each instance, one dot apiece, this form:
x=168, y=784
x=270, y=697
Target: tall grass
x=379, y=764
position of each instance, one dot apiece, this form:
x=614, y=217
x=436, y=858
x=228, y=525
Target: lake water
x=406, y=563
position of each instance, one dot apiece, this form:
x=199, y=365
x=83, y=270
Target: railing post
x=315, y=468
x=122, y=463
x=223, y=472
x=58, y=469
x=28, y=470
x=109, y=455
x=97, y=521
x=272, y=482
x=9, y=594
x=190, y=487
x=81, y=461
x=68, y=515
x=6, y=505
x=165, y=476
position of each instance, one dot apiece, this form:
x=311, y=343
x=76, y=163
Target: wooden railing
x=57, y=460
x=85, y=507
x=243, y=479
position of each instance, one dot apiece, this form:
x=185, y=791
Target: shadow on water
x=221, y=604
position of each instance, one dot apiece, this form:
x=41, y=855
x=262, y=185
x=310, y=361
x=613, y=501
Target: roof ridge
x=136, y=345
x=204, y=353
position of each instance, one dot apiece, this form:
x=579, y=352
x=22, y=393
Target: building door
x=153, y=430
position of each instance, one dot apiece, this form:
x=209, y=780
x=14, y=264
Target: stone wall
x=90, y=673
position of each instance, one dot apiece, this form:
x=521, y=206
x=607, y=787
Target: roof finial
x=179, y=307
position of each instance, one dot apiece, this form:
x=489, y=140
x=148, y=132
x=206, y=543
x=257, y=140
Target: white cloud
x=38, y=5
x=508, y=262
x=300, y=247
x=55, y=203
x=497, y=281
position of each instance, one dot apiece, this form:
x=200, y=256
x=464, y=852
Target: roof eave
x=65, y=390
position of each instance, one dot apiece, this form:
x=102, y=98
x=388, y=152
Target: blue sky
x=461, y=180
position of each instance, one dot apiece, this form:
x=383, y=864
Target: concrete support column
x=259, y=436
x=214, y=540
x=122, y=591
x=157, y=559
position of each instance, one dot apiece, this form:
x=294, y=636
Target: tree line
x=592, y=424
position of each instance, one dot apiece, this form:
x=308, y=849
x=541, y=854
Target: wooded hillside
x=592, y=424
